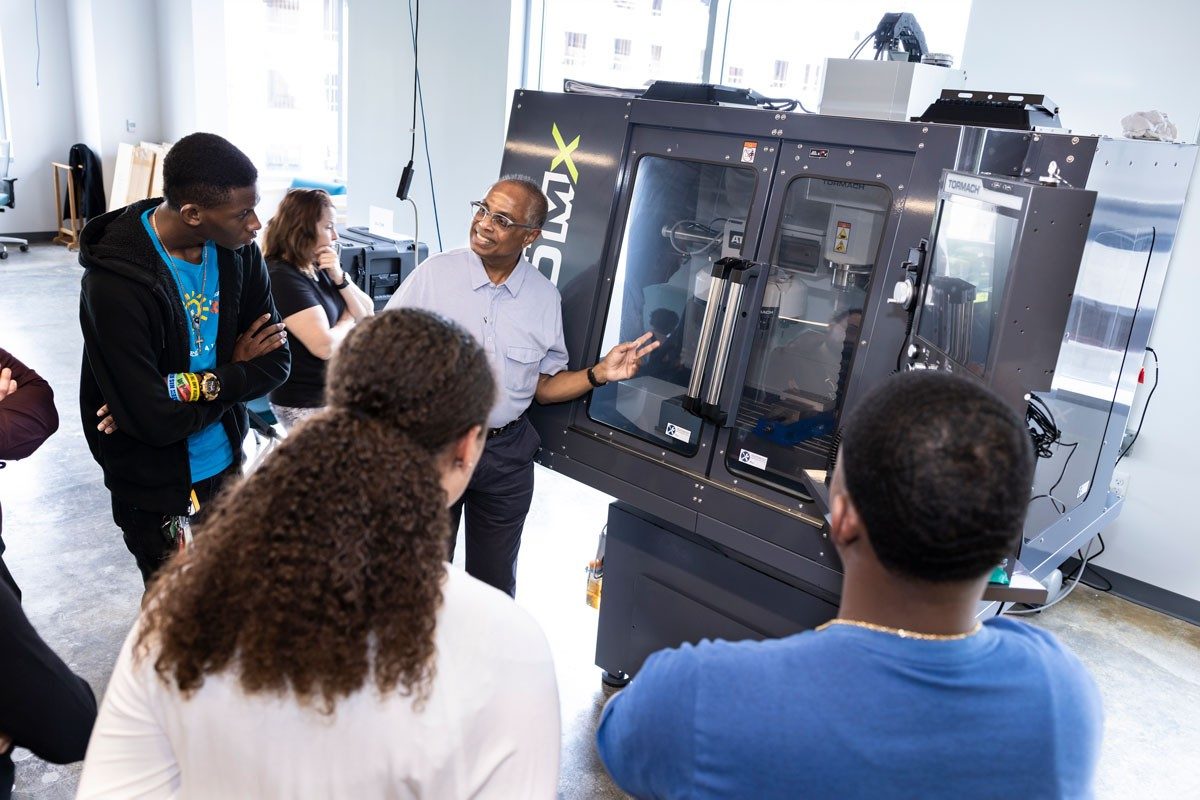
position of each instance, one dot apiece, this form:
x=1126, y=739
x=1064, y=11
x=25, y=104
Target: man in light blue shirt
x=515, y=313
x=905, y=694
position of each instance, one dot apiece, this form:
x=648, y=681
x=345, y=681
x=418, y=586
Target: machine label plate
x=753, y=459
x=676, y=432
x=749, y=149
x=965, y=186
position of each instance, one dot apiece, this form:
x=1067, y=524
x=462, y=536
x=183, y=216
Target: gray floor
x=82, y=589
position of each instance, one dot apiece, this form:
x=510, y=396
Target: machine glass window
x=824, y=256
x=967, y=278
x=683, y=217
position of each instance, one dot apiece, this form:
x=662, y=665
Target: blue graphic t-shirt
x=209, y=451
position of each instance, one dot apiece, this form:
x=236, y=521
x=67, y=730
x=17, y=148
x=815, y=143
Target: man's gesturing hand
x=259, y=339
x=622, y=361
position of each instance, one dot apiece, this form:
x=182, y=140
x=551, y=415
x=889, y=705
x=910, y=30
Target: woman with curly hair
x=314, y=643
x=317, y=300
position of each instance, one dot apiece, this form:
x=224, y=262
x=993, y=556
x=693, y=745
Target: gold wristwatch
x=210, y=386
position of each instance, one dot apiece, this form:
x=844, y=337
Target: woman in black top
x=317, y=300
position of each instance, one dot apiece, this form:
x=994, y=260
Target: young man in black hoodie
x=179, y=331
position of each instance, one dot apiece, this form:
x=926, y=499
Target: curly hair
x=292, y=232
x=939, y=468
x=325, y=566
x=204, y=169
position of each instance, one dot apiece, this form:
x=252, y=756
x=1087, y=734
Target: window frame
x=714, y=52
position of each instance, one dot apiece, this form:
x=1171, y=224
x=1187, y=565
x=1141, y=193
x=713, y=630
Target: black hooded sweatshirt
x=135, y=333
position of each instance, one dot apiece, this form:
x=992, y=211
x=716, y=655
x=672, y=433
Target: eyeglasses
x=502, y=222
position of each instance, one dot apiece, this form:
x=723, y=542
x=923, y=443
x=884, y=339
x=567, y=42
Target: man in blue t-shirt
x=904, y=694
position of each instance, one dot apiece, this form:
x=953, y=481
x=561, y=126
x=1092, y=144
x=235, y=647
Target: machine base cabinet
x=664, y=586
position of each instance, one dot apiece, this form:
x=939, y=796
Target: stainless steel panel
x=1141, y=188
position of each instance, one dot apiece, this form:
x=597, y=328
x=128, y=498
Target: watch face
x=211, y=386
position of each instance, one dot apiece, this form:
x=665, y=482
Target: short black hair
x=940, y=471
x=540, y=205
x=203, y=168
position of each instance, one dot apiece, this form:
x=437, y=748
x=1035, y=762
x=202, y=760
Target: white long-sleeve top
x=490, y=728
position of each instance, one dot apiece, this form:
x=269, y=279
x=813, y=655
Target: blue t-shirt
x=852, y=713
x=209, y=451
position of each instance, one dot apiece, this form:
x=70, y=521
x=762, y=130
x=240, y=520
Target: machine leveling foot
x=615, y=680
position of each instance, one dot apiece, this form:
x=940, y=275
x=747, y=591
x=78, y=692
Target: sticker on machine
x=676, y=432
x=843, y=237
x=969, y=186
x=753, y=459
x=748, y=151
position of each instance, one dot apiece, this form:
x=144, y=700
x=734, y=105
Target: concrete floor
x=82, y=588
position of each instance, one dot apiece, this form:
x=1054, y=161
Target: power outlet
x=1119, y=484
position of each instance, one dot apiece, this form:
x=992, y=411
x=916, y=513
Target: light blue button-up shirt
x=518, y=323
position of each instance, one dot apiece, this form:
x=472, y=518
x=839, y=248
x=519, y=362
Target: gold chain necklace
x=901, y=632
x=195, y=316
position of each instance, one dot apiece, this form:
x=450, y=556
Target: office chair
x=266, y=434
x=7, y=199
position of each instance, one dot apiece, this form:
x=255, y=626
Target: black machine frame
x=696, y=549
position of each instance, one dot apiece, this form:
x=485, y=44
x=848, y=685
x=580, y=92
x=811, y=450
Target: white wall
x=1099, y=64
x=191, y=47
x=177, y=68
x=43, y=117
x=465, y=73
x=115, y=57
x=83, y=67
x=1099, y=61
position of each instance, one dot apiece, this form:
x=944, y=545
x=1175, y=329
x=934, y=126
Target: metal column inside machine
x=788, y=263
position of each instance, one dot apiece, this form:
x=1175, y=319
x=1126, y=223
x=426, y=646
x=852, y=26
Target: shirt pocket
x=521, y=368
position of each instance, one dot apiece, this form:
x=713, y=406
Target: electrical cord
x=1047, y=441
x=1083, y=572
x=782, y=104
x=37, y=38
x=1043, y=427
x=415, y=25
x=1074, y=446
x=908, y=329
x=425, y=134
x=1145, y=407
x=854, y=53
x=416, y=233
x=1062, y=595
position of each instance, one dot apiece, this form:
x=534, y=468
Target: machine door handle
x=712, y=397
x=745, y=275
x=716, y=293
x=732, y=274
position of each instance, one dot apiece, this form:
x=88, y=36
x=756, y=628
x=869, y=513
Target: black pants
x=497, y=501
x=144, y=535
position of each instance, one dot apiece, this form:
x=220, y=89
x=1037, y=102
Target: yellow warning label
x=839, y=246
